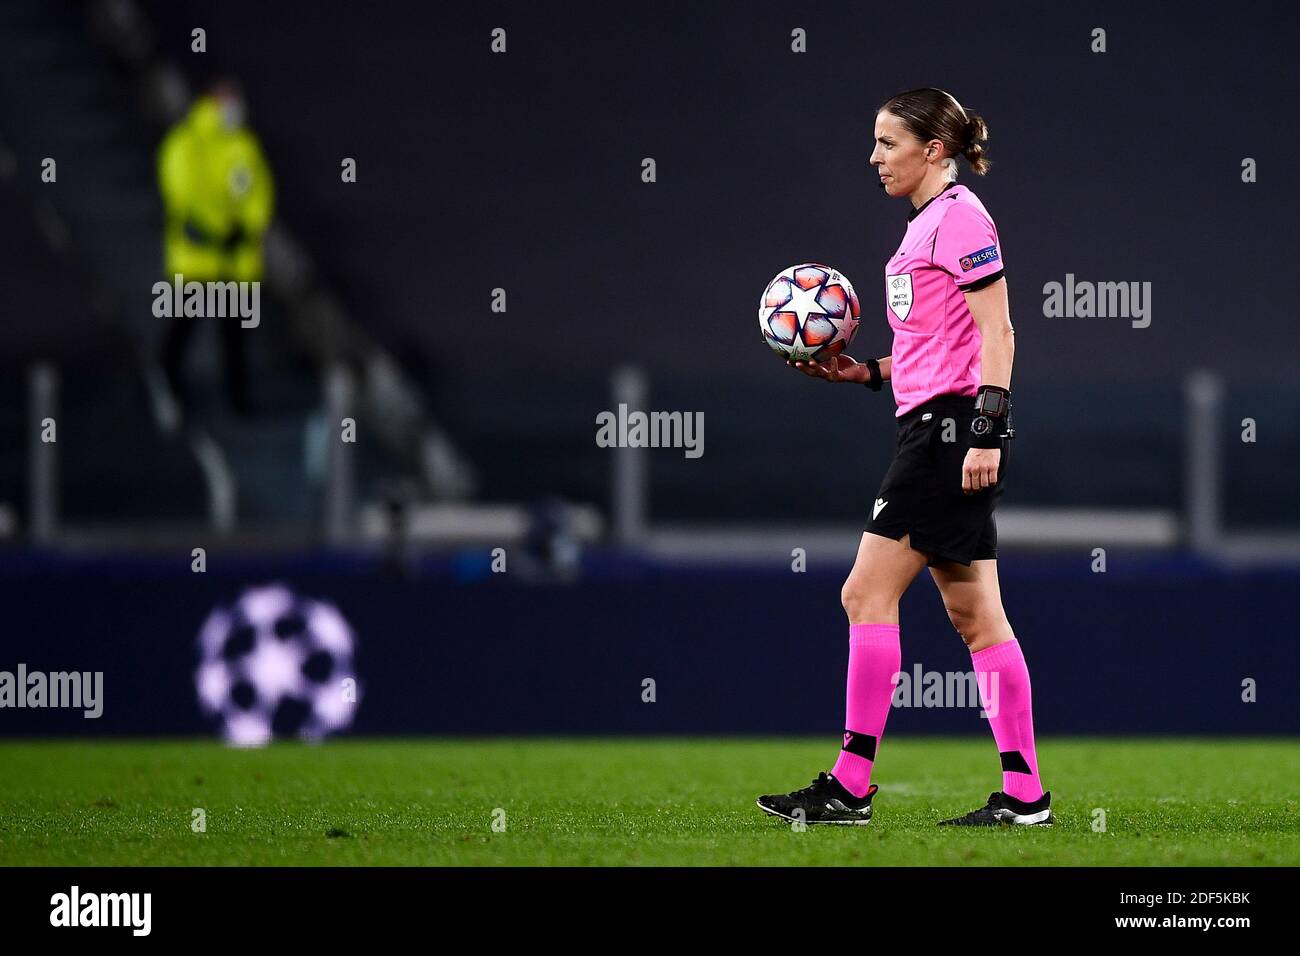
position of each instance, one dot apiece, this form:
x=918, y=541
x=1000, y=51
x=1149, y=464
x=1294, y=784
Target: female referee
x=950, y=369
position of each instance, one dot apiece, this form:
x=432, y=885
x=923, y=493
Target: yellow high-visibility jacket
x=218, y=196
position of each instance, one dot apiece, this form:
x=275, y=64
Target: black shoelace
x=822, y=780
x=976, y=814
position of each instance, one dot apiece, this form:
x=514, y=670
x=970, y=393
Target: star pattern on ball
x=798, y=353
x=275, y=663
x=803, y=302
x=847, y=326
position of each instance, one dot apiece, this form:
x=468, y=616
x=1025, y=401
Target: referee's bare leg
x=881, y=573
x=974, y=602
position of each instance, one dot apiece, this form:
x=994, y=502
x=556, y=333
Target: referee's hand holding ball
x=840, y=368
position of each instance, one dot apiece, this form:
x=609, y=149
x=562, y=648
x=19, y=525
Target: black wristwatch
x=992, y=421
x=875, y=381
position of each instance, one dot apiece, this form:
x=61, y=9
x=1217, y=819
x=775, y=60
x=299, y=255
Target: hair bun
x=976, y=133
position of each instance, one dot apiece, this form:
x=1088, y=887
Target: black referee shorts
x=921, y=494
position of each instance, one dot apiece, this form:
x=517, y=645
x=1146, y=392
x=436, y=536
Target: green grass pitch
x=1166, y=801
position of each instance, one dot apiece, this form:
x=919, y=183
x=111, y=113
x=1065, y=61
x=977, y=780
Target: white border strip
x=1023, y=527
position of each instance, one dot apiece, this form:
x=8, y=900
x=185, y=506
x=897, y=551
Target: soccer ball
x=809, y=312
x=276, y=664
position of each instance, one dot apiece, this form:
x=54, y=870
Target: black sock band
x=862, y=745
x=1013, y=761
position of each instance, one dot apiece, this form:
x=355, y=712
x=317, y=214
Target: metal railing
x=1199, y=526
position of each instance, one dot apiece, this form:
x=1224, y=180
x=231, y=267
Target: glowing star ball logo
x=275, y=664
x=809, y=312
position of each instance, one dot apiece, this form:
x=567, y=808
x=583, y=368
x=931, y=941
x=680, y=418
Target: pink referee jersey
x=951, y=246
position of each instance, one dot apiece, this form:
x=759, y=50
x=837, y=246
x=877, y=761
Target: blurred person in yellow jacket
x=218, y=197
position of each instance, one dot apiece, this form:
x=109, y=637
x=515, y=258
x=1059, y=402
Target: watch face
x=981, y=426
x=990, y=404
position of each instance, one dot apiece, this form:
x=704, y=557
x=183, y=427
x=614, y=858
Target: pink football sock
x=874, y=658
x=1004, y=688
